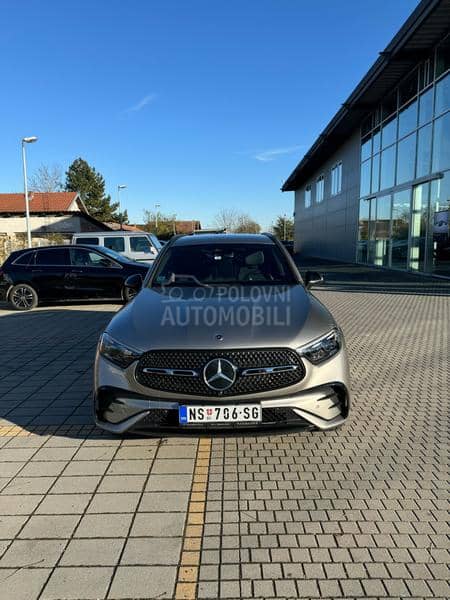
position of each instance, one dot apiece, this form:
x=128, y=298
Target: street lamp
x=120, y=187
x=284, y=237
x=27, y=140
x=156, y=216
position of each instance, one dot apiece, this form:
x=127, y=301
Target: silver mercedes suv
x=222, y=332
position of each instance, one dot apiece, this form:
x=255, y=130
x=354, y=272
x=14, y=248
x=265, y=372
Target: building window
x=320, y=183
x=424, y=151
x=366, y=168
x=387, y=172
x=443, y=95
x=406, y=153
x=336, y=179
x=307, y=196
x=441, y=143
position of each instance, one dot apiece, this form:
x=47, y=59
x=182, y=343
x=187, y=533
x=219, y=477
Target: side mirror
x=312, y=278
x=133, y=284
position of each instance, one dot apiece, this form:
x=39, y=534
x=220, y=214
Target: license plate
x=231, y=413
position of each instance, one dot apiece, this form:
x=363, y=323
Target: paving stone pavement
x=361, y=512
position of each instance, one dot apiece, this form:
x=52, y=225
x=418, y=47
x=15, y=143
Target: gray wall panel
x=329, y=229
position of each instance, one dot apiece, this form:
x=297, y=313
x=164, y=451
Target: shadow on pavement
x=346, y=277
x=46, y=368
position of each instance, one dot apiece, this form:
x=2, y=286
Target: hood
x=193, y=318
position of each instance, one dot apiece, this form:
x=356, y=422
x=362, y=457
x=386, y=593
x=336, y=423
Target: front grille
x=168, y=418
x=196, y=360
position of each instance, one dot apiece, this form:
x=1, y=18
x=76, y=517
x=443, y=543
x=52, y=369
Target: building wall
x=75, y=223
x=329, y=229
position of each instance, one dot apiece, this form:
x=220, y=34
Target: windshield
x=208, y=264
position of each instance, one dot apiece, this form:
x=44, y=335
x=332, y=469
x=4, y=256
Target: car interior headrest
x=255, y=259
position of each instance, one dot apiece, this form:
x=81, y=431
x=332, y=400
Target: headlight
x=322, y=348
x=117, y=353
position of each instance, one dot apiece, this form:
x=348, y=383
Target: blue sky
x=194, y=104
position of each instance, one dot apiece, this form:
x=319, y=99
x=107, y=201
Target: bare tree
x=47, y=179
x=226, y=218
x=245, y=224
x=235, y=221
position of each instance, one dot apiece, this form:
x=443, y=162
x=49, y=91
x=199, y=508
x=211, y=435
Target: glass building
x=405, y=172
x=391, y=141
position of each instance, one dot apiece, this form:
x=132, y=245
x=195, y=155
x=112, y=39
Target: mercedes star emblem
x=219, y=374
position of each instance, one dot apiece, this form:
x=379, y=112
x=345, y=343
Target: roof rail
x=212, y=230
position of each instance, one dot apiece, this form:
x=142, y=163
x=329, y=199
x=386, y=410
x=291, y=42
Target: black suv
x=65, y=273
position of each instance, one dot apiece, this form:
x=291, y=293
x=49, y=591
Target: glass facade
x=405, y=173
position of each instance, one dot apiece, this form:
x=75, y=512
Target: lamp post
x=284, y=236
x=120, y=187
x=27, y=140
x=156, y=215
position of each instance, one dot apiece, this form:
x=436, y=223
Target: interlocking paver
x=104, y=525
x=78, y=583
x=23, y=584
x=93, y=552
x=140, y=582
x=152, y=551
x=114, y=503
x=32, y=553
x=49, y=526
x=170, y=524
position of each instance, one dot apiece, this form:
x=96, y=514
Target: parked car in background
x=140, y=246
x=35, y=275
x=289, y=245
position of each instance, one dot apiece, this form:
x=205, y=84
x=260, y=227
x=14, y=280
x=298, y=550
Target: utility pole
x=157, y=206
x=27, y=140
x=119, y=188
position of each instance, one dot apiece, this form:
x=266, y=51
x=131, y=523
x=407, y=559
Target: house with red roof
x=54, y=218
x=50, y=213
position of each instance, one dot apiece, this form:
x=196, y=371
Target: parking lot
x=356, y=512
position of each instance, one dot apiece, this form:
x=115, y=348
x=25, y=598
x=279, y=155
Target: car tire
x=23, y=297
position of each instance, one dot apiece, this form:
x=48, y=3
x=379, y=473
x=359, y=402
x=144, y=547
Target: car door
x=94, y=275
x=142, y=249
x=48, y=272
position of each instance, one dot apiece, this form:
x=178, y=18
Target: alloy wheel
x=22, y=297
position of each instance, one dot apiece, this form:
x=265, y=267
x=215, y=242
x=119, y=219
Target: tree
x=164, y=226
x=284, y=228
x=82, y=178
x=245, y=224
x=47, y=179
x=226, y=218
x=235, y=221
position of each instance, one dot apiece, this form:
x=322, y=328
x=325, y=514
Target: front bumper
x=119, y=411
x=321, y=400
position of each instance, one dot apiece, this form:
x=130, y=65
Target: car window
x=140, y=244
x=88, y=258
x=156, y=243
x=224, y=263
x=24, y=259
x=53, y=257
x=116, y=243
x=89, y=241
